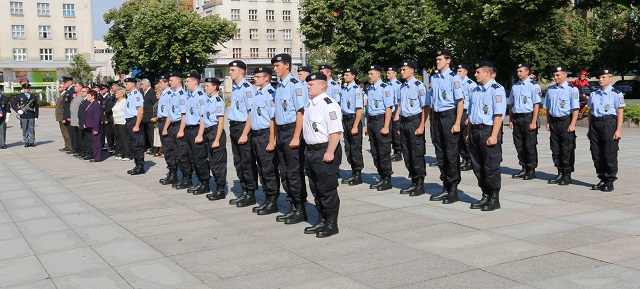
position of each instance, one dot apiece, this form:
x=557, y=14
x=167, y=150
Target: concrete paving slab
x=611, y=251
x=42, y=226
x=43, y=284
x=21, y=270
x=469, y=279
x=56, y=241
x=14, y=248
x=72, y=261
x=610, y=276
x=126, y=252
x=158, y=273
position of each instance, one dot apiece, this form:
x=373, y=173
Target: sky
x=100, y=7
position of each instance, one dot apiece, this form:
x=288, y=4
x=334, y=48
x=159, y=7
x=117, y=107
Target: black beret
x=164, y=77
x=409, y=63
x=282, y=57
x=304, y=68
x=392, y=68
x=26, y=85
x=560, y=68
x=213, y=80
x=316, y=76
x=350, y=70
x=95, y=85
x=67, y=78
x=445, y=52
x=523, y=64
x=194, y=74
x=484, y=63
x=463, y=66
x=130, y=79
x=263, y=69
x=238, y=63
x=375, y=67
x=604, y=71
x=177, y=74
x=325, y=66
x=103, y=86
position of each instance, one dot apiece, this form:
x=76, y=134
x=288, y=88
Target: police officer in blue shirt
x=523, y=119
x=195, y=152
x=290, y=101
x=240, y=132
x=303, y=72
x=487, y=105
x=215, y=138
x=447, y=101
x=605, y=129
x=392, y=73
x=379, y=114
x=562, y=102
x=133, y=115
x=352, y=104
x=467, y=87
x=333, y=88
x=170, y=130
x=263, y=130
x=164, y=107
x=413, y=108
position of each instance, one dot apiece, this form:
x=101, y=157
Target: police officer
x=195, y=151
x=605, y=129
x=322, y=129
x=263, y=130
x=133, y=116
x=290, y=101
x=352, y=103
x=487, y=105
x=562, y=102
x=67, y=96
x=379, y=106
x=523, y=119
x=176, y=99
x=303, y=72
x=26, y=105
x=240, y=131
x=333, y=88
x=215, y=138
x=164, y=108
x=467, y=87
x=392, y=74
x=413, y=107
x=5, y=107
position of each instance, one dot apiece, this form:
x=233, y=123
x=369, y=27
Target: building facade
x=39, y=37
x=103, y=53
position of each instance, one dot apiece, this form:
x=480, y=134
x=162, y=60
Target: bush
x=632, y=112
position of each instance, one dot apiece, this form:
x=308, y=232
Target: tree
x=158, y=36
x=80, y=70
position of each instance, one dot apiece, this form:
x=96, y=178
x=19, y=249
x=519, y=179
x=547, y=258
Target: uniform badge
x=411, y=102
x=237, y=104
x=182, y=102
x=537, y=90
x=138, y=98
x=444, y=94
x=562, y=104
x=162, y=107
x=606, y=107
x=348, y=104
x=387, y=93
x=333, y=115
x=298, y=92
x=202, y=102
x=456, y=84
x=284, y=105
x=173, y=108
x=259, y=111
x=575, y=95
x=499, y=98
x=273, y=103
x=622, y=100
x=421, y=92
x=314, y=126
x=485, y=109
x=191, y=110
x=127, y=105
x=336, y=91
x=524, y=100
x=376, y=103
x=219, y=109
x=358, y=96
x=208, y=114
x=248, y=94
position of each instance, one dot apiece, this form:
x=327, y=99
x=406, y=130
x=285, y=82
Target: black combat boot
x=281, y=218
x=318, y=225
x=529, y=175
x=396, y=156
x=347, y=180
x=442, y=195
x=299, y=214
x=243, y=196
x=184, y=175
x=376, y=185
x=386, y=184
x=249, y=199
x=607, y=187
x=138, y=170
x=356, y=179
x=520, y=174
x=557, y=179
x=203, y=189
x=194, y=188
x=418, y=190
x=186, y=183
x=409, y=189
x=452, y=197
x=466, y=165
x=482, y=202
x=494, y=201
x=330, y=227
x=271, y=207
x=172, y=178
x=218, y=194
x=566, y=179
x=598, y=186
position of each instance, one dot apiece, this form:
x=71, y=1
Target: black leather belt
x=287, y=126
x=522, y=114
x=376, y=117
x=131, y=118
x=260, y=132
x=213, y=127
x=348, y=116
x=161, y=119
x=192, y=126
x=604, y=118
x=233, y=122
x=317, y=147
x=559, y=119
x=175, y=123
x=410, y=118
x=481, y=126
x=446, y=112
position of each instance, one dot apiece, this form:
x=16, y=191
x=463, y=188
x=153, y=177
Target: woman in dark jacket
x=92, y=125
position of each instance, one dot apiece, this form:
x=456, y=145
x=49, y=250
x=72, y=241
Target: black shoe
x=529, y=175
x=271, y=207
x=566, y=179
x=598, y=186
x=138, y=170
x=356, y=179
x=249, y=200
x=317, y=226
x=466, y=166
x=86, y=158
x=376, y=185
x=172, y=178
x=482, y=202
x=347, y=180
x=452, y=197
x=607, y=187
x=32, y=145
x=441, y=196
x=557, y=179
x=234, y=202
x=26, y=145
x=386, y=184
x=520, y=174
x=493, y=203
x=433, y=164
x=330, y=227
x=418, y=190
x=396, y=156
x=185, y=183
x=299, y=215
x=218, y=194
x=279, y=218
x=72, y=152
x=95, y=161
x=193, y=188
x=409, y=190
x=202, y=189
x=3, y=147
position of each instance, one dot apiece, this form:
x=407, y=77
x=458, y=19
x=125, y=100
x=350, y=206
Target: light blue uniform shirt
x=561, y=100
x=214, y=108
x=446, y=90
x=163, y=103
x=468, y=86
x=485, y=102
x=290, y=98
x=195, y=107
x=379, y=98
x=264, y=108
x=134, y=100
x=241, y=100
x=413, y=97
x=606, y=102
x=352, y=99
x=524, y=94
x=395, y=85
x=333, y=90
x=177, y=102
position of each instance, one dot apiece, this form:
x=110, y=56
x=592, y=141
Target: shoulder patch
x=495, y=85
x=398, y=82
x=328, y=100
x=498, y=98
x=293, y=80
x=418, y=82
x=533, y=81
x=570, y=85
x=334, y=83
x=333, y=115
x=383, y=85
x=469, y=81
x=355, y=86
x=245, y=84
x=621, y=100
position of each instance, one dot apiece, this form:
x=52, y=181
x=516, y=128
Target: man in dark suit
x=5, y=107
x=64, y=130
x=86, y=152
x=67, y=97
x=26, y=105
x=149, y=95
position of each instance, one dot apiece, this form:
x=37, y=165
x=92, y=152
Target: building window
x=43, y=9
x=254, y=52
x=69, y=10
x=16, y=8
x=271, y=52
x=286, y=0
x=286, y=33
x=19, y=54
x=286, y=15
x=237, y=36
x=17, y=31
x=287, y=51
x=253, y=34
x=253, y=14
x=237, y=53
x=271, y=34
x=70, y=52
x=44, y=31
x=269, y=0
x=271, y=15
x=46, y=54
x=70, y=32
x=235, y=14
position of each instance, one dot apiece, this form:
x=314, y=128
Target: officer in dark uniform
x=86, y=152
x=467, y=87
x=133, y=116
x=392, y=73
x=322, y=129
x=263, y=130
x=105, y=127
x=176, y=99
x=487, y=105
x=26, y=106
x=352, y=103
x=215, y=137
x=523, y=119
x=414, y=109
x=196, y=152
x=5, y=107
x=164, y=108
x=562, y=102
x=447, y=101
x=110, y=129
x=605, y=129
x=333, y=88
x=379, y=114
x=290, y=101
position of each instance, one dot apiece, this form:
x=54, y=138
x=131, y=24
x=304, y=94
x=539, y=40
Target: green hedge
x=632, y=112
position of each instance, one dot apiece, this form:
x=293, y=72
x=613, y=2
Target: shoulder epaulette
x=398, y=82
x=418, y=82
x=615, y=90
x=294, y=81
x=199, y=92
x=534, y=82
x=270, y=90
x=570, y=85
x=181, y=92
x=383, y=85
x=218, y=98
x=328, y=100
x=334, y=83
x=469, y=81
x=245, y=84
x=495, y=85
x=355, y=86
x=452, y=73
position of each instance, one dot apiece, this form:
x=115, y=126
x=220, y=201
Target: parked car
x=630, y=88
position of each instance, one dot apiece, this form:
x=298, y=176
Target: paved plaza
x=67, y=223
